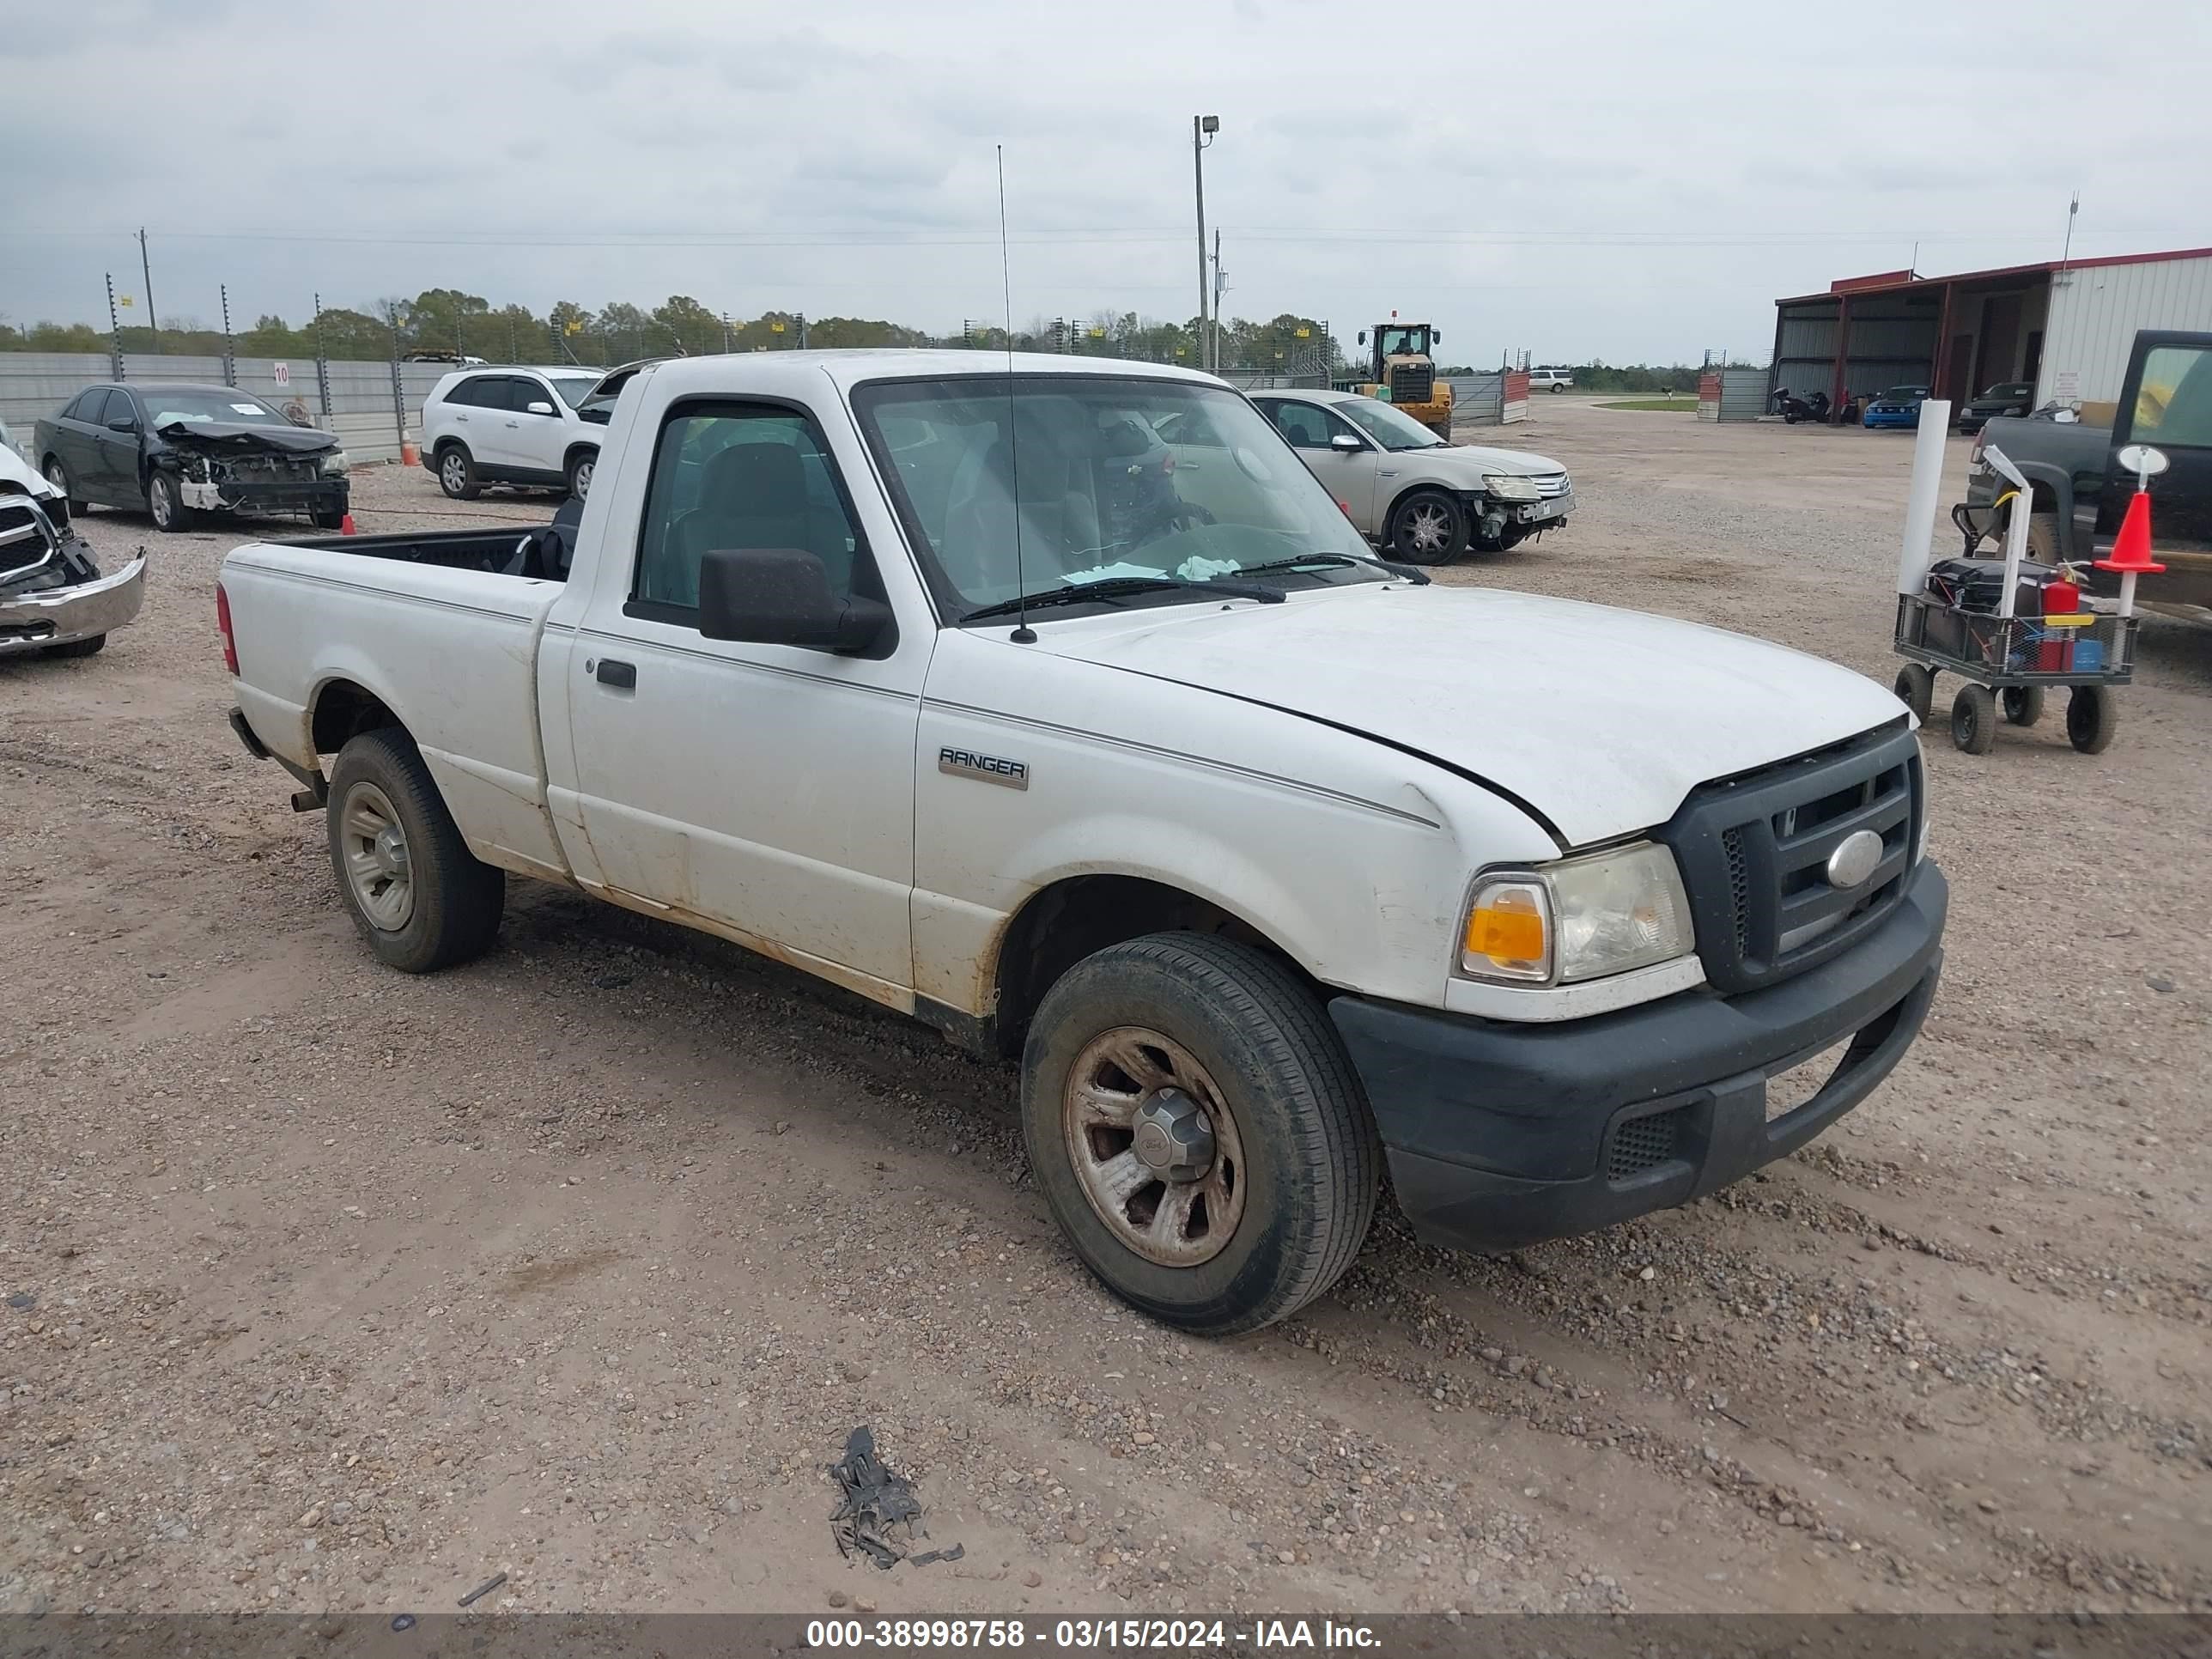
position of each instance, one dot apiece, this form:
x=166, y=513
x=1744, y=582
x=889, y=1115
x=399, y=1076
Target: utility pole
x=114, y=329
x=726, y=334
x=146, y=269
x=1202, y=129
x=322, y=362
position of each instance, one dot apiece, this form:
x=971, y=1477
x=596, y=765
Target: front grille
x=1552, y=485
x=1754, y=852
x=1644, y=1143
x=1412, y=383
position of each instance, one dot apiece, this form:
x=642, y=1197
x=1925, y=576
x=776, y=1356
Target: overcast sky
x=1576, y=177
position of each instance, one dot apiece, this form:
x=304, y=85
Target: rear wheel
x=1916, y=689
x=1974, y=720
x=57, y=476
x=580, y=468
x=2023, y=704
x=1428, y=527
x=457, y=473
x=2090, y=715
x=1199, y=1132
x=2043, y=542
x=420, y=898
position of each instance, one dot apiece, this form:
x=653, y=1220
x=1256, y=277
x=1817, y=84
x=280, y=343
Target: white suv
x=1551, y=379
x=516, y=426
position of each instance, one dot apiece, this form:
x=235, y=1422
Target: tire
x=1556, y=390
x=91, y=648
x=1428, y=527
x=2023, y=704
x=457, y=473
x=57, y=476
x=581, y=467
x=439, y=907
x=1297, y=1158
x=1916, y=689
x=2043, y=539
x=2092, y=715
x=170, y=514
x=1974, y=720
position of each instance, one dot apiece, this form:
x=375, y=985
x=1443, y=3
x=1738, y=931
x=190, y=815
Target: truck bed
x=499, y=552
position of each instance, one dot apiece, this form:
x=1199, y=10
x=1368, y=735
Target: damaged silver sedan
x=54, y=598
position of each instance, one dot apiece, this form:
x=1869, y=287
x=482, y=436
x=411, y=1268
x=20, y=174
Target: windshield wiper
x=1077, y=592
x=1303, y=560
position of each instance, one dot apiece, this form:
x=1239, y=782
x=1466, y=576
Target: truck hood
x=1600, y=720
x=16, y=471
x=1474, y=459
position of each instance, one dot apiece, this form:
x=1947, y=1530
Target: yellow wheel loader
x=1402, y=373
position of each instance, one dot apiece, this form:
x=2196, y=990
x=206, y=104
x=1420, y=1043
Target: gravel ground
x=331, y=1288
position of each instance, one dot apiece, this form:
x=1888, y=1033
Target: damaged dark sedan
x=178, y=451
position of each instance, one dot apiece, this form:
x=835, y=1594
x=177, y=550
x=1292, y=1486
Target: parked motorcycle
x=1794, y=409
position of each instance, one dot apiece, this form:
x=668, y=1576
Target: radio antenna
x=1023, y=634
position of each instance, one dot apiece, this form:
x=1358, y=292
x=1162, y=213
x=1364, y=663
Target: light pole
x=1202, y=129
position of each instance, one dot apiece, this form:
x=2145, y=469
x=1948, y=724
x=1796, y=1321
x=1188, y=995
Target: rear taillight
x=222, y=622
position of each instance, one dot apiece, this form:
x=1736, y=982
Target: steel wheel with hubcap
x=376, y=857
x=1196, y=1127
x=420, y=897
x=1429, y=528
x=1155, y=1145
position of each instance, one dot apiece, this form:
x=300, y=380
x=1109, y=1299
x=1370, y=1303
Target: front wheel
x=165, y=503
x=457, y=474
x=2092, y=712
x=1428, y=528
x=420, y=898
x=1974, y=720
x=2023, y=704
x=1916, y=689
x=1199, y=1132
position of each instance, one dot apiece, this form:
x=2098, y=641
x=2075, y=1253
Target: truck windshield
x=1391, y=427
x=1103, y=477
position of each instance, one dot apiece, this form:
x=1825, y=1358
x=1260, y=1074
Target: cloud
x=1596, y=176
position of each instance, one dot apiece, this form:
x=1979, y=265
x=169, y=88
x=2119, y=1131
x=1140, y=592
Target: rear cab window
x=741, y=475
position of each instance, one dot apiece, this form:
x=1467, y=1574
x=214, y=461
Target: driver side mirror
x=782, y=596
x=126, y=424
x=1363, y=336
x=539, y=408
x=1345, y=444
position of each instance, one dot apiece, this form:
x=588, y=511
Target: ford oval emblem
x=1854, y=859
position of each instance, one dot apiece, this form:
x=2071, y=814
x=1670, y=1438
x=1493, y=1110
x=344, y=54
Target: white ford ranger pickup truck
x=1051, y=701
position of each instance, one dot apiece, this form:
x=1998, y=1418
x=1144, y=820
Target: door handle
x=621, y=674
x=514, y=423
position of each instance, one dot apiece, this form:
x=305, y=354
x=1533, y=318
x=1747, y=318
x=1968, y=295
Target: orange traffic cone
x=345, y=525
x=2130, y=554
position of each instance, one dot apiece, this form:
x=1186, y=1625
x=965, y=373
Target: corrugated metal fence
x=34, y=384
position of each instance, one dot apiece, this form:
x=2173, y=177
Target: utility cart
x=2012, y=627
x=2011, y=662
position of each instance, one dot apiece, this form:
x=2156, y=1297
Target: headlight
x=334, y=462
x=1507, y=487
x=1578, y=920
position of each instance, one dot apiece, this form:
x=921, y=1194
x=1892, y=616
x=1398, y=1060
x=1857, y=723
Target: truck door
x=2167, y=402
x=765, y=789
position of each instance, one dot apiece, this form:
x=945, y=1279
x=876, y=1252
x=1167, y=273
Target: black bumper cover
x=1501, y=1134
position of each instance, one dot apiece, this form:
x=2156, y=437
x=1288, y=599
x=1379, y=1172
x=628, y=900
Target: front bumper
x=1501, y=1135
x=328, y=495
x=61, y=616
x=1549, y=510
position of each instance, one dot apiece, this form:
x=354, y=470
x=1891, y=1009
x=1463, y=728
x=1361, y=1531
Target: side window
x=118, y=407
x=86, y=407
x=2174, y=404
x=527, y=392
x=462, y=394
x=1306, y=427
x=738, y=477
